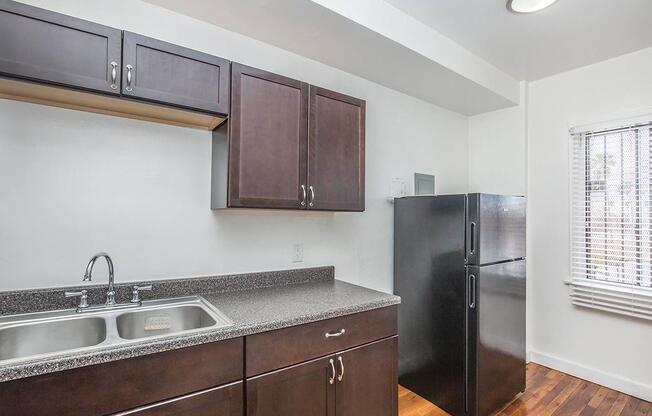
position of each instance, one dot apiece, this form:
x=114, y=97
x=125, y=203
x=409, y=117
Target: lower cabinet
x=358, y=381
x=367, y=382
x=133, y=383
x=343, y=366
x=218, y=401
x=302, y=390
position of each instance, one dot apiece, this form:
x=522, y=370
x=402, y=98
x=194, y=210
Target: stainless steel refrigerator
x=459, y=267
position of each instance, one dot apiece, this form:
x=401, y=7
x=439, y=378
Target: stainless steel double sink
x=43, y=334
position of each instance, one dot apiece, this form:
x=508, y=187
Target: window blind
x=611, y=228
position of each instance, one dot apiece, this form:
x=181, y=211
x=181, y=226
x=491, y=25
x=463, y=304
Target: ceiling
x=567, y=35
x=388, y=46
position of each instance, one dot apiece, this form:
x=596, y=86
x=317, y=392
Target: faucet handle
x=83, y=298
x=135, y=293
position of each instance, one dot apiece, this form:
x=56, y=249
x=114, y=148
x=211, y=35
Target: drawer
x=125, y=384
x=284, y=347
x=219, y=401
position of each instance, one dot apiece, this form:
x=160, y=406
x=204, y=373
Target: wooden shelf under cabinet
x=103, y=104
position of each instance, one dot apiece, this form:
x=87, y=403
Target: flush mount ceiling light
x=528, y=6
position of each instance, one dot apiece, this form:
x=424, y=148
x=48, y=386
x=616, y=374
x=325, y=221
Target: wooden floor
x=548, y=392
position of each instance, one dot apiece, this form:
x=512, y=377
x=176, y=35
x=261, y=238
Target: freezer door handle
x=472, y=239
x=472, y=291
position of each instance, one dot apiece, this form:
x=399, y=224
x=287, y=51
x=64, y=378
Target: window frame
x=621, y=298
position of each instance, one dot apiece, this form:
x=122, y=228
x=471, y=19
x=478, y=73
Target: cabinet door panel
x=301, y=390
x=369, y=381
x=174, y=75
x=45, y=46
x=268, y=140
x=219, y=401
x=336, y=148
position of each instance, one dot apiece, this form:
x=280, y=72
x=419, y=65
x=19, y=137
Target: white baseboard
x=613, y=381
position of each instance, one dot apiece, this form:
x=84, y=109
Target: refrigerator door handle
x=472, y=239
x=472, y=291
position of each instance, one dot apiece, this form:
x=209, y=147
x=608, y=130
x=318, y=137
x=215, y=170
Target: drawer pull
x=335, y=334
x=332, y=379
x=341, y=375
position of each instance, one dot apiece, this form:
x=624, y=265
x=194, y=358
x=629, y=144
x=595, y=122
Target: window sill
x=611, y=297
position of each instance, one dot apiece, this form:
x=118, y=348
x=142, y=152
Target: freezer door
x=429, y=276
x=496, y=308
x=495, y=228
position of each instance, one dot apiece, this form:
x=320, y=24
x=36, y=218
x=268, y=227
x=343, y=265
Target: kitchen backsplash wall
x=75, y=183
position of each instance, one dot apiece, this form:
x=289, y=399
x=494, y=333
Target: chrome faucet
x=110, y=303
x=110, y=293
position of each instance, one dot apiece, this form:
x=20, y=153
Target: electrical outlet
x=297, y=253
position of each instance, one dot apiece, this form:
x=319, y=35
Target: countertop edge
x=72, y=361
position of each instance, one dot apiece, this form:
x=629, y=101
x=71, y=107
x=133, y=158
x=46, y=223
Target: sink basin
x=163, y=321
x=44, y=334
x=35, y=338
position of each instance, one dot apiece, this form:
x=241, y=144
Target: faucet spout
x=88, y=276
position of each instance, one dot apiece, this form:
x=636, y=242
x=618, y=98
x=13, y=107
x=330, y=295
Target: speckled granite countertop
x=252, y=310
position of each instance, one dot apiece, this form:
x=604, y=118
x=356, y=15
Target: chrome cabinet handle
x=312, y=196
x=303, y=195
x=135, y=293
x=472, y=291
x=340, y=376
x=332, y=379
x=83, y=298
x=335, y=334
x=129, y=69
x=114, y=75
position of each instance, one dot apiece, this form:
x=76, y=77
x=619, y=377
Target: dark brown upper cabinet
x=267, y=141
x=165, y=73
x=336, y=147
x=54, y=59
x=40, y=45
x=288, y=145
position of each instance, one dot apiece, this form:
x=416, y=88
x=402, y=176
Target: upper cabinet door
x=165, y=73
x=336, y=149
x=41, y=45
x=268, y=140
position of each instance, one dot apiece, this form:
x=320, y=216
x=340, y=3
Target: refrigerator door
x=495, y=228
x=429, y=276
x=496, y=312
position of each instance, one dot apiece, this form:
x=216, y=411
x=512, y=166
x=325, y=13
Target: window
x=611, y=230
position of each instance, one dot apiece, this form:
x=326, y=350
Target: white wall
x=498, y=163
x=497, y=155
x=74, y=183
x=609, y=349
